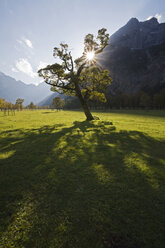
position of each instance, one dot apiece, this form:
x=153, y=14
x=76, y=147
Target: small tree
x=2, y=103
x=81, y=77
x=57, y=103
x=19, y=103
x=145, y=100
x=31, y=106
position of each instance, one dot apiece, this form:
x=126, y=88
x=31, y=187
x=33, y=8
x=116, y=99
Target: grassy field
x=65, y=182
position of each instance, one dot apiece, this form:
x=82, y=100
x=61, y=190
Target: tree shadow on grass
x=48, y=112
x=82, y=186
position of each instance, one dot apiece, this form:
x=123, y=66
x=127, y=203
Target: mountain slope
x=10, y=89
x=47, y=101
x=135, y=57
x=139, y=35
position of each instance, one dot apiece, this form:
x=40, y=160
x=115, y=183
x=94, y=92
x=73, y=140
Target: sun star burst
x=90, y=55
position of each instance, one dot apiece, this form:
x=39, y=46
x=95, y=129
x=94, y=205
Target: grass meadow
x=68, y=183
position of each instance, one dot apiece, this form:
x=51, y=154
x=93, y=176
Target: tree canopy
x=57, y=103
x=31, y=106
x=82, y=77
x=19, y=103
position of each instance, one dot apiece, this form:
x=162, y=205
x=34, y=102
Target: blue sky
x=30, y=29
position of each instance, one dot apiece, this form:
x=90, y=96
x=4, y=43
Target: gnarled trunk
x=83, y=103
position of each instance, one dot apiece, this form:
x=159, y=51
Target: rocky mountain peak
x=152, y=22
x=135, y=56
x=133, y=21
x=139, y=35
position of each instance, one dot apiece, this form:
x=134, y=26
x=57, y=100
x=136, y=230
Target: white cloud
x=148, y=18
x=24, y=66
x=42, y=65
x=14, y=69
x=20, y=42
x=25, y=41
x=158, y=16
x=28, y=42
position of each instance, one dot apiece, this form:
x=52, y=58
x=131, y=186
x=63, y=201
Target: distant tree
x=19, y=103
x=45, y=107
x=31, y=106
x=159, y=100
x=81, y=77
x=57, y=103
x=145, y=100
x=10, y=108
x=7, y=107
x=2, y=103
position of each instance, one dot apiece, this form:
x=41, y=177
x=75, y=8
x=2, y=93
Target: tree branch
x=66, y=64
x=80, y=69
x=65, y=87
x=71, y=61
x=100, y=49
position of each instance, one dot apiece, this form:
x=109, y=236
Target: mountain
x=10, y=89
x=139, y=35
x=135, y=57
x=47, y=100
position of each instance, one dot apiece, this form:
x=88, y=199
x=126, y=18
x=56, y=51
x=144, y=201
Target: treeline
x=10, y=108
x=7, y=107
x=140, y=100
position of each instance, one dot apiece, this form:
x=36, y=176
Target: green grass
x=65, y=182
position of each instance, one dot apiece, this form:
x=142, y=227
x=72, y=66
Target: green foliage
x=68, y=183
x=159, y=100
x=7, y=107
x=31, y=106
x=62, y=76
x=19, y=103
x=68, y=76
x=94, y=83
x=57, y=103
x=96, y=44
x=2, y=103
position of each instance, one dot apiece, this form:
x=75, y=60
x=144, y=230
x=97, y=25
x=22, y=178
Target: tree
x=58, y=103
x=81, y=77
x=19, y=103
x=2, y=103
x=6, y=106
x=145, y=100
x=31, y=106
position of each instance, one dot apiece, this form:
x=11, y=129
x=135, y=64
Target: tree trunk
x=83, y=103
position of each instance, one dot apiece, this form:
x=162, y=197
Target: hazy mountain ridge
x=10, y=89
x=48, y=100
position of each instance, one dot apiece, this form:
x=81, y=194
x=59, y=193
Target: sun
x=90, y=55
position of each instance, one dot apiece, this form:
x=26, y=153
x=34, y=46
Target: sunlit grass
x=65, y=182
x=5, y=155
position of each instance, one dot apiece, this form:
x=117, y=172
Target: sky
x=30, y=29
